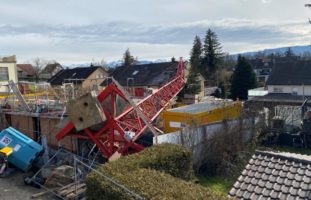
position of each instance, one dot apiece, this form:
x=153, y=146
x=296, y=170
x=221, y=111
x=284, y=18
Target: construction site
x=52, y=138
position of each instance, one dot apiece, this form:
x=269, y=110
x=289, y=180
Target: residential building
x=142, y=80
x=50, y=70
x=87, y=78
x=289, y=83
x=25, y=72
x=8, y=71
x=274, y=175
x=262, y=68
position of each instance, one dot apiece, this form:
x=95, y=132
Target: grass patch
x=216, y=183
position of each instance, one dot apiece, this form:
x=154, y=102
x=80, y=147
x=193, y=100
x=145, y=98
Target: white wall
x=12, y=69
x=306, y=90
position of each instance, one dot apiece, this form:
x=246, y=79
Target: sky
x=84, y=31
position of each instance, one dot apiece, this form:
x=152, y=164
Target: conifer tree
x=128, y=59
x=289, y=52
x=193, y=84
x=243, y=79
x=212, y=54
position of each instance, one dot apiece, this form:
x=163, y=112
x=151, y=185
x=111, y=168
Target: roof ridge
x=286, y=155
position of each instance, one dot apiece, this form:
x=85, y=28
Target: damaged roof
x=270, y=175
x=154, y=74
x=75, y=73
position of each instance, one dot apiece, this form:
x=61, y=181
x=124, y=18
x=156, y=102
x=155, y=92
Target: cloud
x=110, y=39
x=266, y=1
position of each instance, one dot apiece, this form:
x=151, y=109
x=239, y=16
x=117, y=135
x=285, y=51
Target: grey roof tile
x=254, y=181
x=305, y=186
x=302, y=193
x=272, y=178
x=290, y=175
x=247, y=195
x=258, y=190
x=269, y=185
x=250, y=188
x=296, y=184
x=243, y=186
x=288, y=182
x=293, y=191
x=274, y=194
x=268, y=171
x=270, y=175
x=261, y=183
x=285, y=189
x=266, y=192
x=277, y=187
x=306, y=179
x=250, y=173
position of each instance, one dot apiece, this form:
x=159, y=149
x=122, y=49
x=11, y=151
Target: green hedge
x=158, y=172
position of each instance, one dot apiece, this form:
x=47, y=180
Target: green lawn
x=216, y=183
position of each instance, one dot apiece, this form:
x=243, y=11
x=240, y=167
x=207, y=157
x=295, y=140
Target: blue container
x=25, y=149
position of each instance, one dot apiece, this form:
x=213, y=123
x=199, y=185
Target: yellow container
x=6, y=151
x=200, y=114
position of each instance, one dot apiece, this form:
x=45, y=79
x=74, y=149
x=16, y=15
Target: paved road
x=13, y=188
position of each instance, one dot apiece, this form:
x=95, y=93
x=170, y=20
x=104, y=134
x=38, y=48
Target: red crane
x=120, y=133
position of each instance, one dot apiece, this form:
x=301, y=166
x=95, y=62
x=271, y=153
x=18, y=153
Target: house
x=25, y=72
x=142, y=80
x=262, y=68
x=81, y=77
x=50, y=70
x=8, y=71
x=289, y=83
x=271, y=175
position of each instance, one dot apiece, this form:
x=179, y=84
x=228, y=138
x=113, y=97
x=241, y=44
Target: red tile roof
x=27, y=68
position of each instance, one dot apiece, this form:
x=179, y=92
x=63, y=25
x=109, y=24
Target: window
x=295, y=91
x=4, y=74
x=277, y=90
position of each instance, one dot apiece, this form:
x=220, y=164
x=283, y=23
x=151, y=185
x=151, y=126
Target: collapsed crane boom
x=119, y=133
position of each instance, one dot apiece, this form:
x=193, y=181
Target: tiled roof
x=78, y=73
x=291, y=73
x=27, y=68
x=154, y=74
x=270, y=175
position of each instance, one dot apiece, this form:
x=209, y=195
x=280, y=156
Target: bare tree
x=38, y=65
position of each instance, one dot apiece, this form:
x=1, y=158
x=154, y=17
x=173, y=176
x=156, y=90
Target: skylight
x=135, y=72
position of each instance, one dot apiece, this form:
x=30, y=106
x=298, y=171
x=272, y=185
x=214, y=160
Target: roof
x=291, y=73
x=281, y=98
x=154, y=74
x=270, y=175
x=49, y=68
x=261, y=63
x=27, y=68
x=201, y=107
x=75, y=73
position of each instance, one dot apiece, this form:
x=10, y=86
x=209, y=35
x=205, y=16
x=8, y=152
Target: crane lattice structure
x=119, y=133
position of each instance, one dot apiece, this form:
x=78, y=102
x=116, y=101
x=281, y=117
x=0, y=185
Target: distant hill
x=298, y=50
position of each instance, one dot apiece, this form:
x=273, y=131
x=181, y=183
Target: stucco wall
x=306, y=90
x=89, y=84
x=12, y=70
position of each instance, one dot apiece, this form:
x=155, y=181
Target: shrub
x=159, y=172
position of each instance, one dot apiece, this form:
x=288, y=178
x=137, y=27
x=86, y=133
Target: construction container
x=200, y=114
x=25, y=149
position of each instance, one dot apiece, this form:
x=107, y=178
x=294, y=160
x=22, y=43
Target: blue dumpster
x=25, y=149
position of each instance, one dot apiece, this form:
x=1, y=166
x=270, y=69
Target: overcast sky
x=81, y=31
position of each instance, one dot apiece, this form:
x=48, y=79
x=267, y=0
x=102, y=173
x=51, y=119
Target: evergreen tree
x=212, y=53
x=243, y=79
x=193, y=84
x=128, y=59
x=289, y=52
